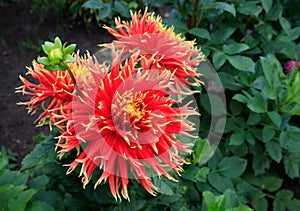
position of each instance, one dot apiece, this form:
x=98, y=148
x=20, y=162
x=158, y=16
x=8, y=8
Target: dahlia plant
x=124, y=117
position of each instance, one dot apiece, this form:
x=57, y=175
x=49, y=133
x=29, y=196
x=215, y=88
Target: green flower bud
x=56, y=54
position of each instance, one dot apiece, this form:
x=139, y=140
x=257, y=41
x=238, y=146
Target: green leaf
x=232, y=199
x=93, y=4
x=39, y=205
x=291, y=167
x=229, y=81
x=250, y=139
x=267, y=134
x=54, y=62
x=39, y=138
x=237, y=139
x=217, y=105
x=219, y=182
x=278, y=205
x=42, y=153
x=285, y=194
x=210, y=201
x=195, y=174
x=199, y=32
x=260, y=204
x=53, y=198
x=241, y=208
x=271, y=183
x=242, y=63
x=249, y=8
x=57, y=43
x=7, y=193
x=283, y=198
x=240, y=98
x=69, y=49
x=275, y=117
x=39, y=182
x=69, y=59
x=163, y=187
x=5, y=188
x=212, y=102
x=213, y=202
x=20, y=201
x=49, y=44
x=295, y=33
x=274, y=150
x=202, y=151
x=268, y=69
x=293, y=143
x=219, y=59
x=254, y=118
x=285, y=24
x=47, y=47
x=122, y=8
x=269, y=92
x=232, y=167
x=275, y=12
x=261, y=161
x=13, y=177
x=3, y=161
x=224, y=6
x=105, y=11
x=258, y=104
x=293, y=204
x=235, y=48
x=267, y=4
x=220, y=36
x=283, y=138
x=43, y=60
x=62, y=67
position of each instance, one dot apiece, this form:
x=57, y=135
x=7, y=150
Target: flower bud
x=56, y=54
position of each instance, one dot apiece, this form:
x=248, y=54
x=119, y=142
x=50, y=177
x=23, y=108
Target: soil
x=20, y=39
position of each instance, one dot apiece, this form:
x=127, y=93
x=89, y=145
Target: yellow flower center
x=137, y=108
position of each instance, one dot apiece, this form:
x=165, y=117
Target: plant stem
x=71, y=75
x=195, y=4
x=74, y=81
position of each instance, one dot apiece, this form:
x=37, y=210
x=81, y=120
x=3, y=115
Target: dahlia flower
x=158, y=46
x=290, y=65
x=51, y=90
x=124, y=121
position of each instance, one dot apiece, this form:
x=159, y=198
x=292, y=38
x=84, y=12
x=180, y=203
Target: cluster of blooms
x=122, y=117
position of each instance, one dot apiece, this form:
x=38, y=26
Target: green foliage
x=102, y=12
x=43, y=185
x=248, y=43
x=30, y=45
x=43, y=8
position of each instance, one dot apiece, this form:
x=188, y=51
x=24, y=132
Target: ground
x=20, y=40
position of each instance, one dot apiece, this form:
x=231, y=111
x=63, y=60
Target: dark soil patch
x=20, y=41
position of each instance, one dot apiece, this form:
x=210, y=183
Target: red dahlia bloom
x=126, y=120
x=158, y=46
x=51, y=90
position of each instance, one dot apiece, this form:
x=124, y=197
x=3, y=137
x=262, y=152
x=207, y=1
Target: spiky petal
x=158, y=46
x=50, y=90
